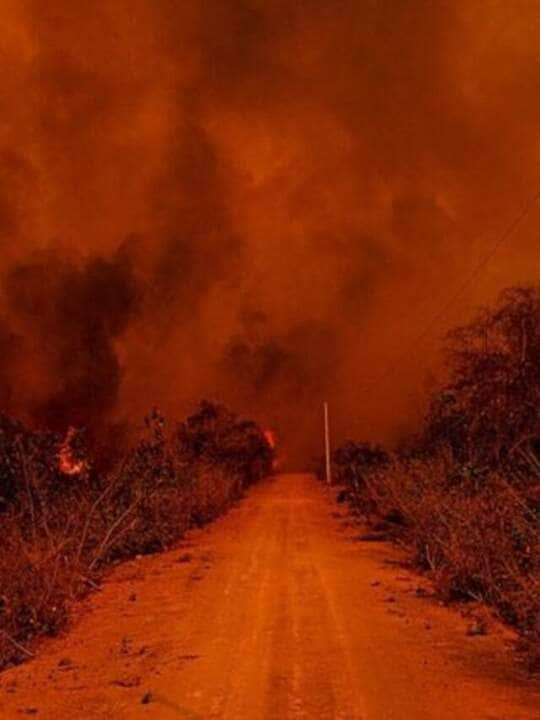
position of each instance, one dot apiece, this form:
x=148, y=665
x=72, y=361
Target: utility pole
x=327, y=444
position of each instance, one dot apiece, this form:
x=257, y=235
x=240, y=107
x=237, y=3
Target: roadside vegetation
x=464, y=493
x=64, y=522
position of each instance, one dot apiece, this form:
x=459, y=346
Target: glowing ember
x=67, y=463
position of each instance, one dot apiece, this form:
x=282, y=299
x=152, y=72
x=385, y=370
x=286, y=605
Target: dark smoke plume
x=66, y=319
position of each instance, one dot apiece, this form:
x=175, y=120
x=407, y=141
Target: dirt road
x=276, y=611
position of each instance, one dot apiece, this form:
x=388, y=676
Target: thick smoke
x=264, y=202
x=64, y=321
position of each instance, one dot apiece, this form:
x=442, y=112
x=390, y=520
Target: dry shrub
x=465, y=492
x=60, y=533
x=212, y=492
x=35, y=587
x=480, y=543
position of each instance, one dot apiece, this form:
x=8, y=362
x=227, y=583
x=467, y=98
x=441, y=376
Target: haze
x=259, y=202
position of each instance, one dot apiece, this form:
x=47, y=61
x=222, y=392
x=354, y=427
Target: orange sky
x=260, y=201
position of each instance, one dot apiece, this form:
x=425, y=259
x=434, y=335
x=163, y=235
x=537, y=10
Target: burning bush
x=466, y=490
x=63, y=523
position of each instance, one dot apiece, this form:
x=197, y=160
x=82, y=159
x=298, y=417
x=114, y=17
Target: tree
x=488, y=410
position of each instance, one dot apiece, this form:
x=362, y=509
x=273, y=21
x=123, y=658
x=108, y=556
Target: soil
x=276, y=611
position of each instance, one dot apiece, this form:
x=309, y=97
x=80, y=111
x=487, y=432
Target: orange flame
x=270, y=437
x=67, y=464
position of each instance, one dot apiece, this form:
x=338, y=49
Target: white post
x=327, y=444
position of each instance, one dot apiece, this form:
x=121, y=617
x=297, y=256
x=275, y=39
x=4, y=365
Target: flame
x=270, y=437
x=67, y=463
x=271, y=440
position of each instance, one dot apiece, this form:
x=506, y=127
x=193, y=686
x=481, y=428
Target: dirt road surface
x=276, y=611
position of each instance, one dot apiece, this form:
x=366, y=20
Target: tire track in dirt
x=274, y=612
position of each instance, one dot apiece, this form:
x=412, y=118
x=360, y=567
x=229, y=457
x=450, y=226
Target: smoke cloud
x=262, y=202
